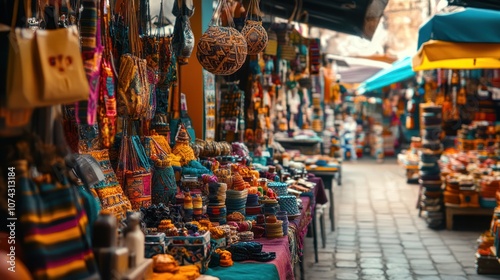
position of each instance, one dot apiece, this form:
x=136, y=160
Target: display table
x=451, y=211
x=287, y=249
x=305, y=146
x=327, y=174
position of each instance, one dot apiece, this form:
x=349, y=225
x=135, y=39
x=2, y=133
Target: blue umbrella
x=399, y=71
x=468, y=26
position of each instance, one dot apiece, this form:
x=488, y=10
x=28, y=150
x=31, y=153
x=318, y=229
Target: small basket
x=281, y=189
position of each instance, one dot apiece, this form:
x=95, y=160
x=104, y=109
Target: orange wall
x=192, y=76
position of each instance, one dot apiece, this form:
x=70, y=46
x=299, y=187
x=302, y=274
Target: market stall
x=459, y=148
x=115, y=165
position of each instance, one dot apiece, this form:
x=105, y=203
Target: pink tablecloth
x=283, y=257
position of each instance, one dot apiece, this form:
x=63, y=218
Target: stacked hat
x=197, y=205
x=236, y=201
x=274, y=227
x=239, y=183
x=452, y=192
x=469, y=197
x=431, y=201
x=270, y=206
x=283, y=216
x=489, y=187
x=253, y=207
x=279, y=188
x=289, y=204
x=216, y=208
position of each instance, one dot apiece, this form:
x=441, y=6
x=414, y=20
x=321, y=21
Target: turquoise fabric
x=239, y=271
x=468, y=26
x=399, y=71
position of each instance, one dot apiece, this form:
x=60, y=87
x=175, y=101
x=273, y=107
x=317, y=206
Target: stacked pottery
x=253, y=207
x=289, y=204
x=216, y=209
x=431, y=201
x=452, y=191
x=274, y=227
x=469, y=197
x=236, y=201
x=283, y=216
x=270, y=206
x=279, y=188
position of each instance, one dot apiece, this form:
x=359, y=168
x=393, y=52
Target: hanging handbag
x=56, y=55
x=134, y=170
x=255, y=34
x=12, y=121
x=92, y=56
x=133, y=87
x=107, y=95
x=166, y=59
x=221, y=50
x=272, y=44
x=151, y=51
x=163, y=185
x=183, y=40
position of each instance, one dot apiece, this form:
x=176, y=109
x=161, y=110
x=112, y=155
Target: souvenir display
x=430, y=174
x=144, y=191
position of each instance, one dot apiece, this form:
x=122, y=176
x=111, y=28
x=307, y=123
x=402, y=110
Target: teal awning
x=471, y=25
x=399, y=71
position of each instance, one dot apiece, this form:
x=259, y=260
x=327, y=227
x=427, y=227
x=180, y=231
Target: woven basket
x=281, y=189
x=289, y=204
x=255, y=35
x=222, y=50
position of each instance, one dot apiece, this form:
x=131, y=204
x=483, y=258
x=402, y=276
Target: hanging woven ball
x=222, y=50
x=255, y=35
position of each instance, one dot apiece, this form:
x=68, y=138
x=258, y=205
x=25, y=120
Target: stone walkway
x=380, y=236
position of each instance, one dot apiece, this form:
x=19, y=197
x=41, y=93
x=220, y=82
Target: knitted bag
x=151, y=52
x=133, y=87
x=163, y=186
x=107, y=96
x=53, y=226
x=134, y=171
x=92, y=55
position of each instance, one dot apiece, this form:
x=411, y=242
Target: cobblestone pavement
x=380, y=236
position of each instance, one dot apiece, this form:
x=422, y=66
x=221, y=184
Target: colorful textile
x=53, y=228
x=245, y=271
x=109, y=191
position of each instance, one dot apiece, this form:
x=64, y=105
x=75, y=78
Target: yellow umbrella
x=436, y=54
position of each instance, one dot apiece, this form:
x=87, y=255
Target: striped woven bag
x=53, y=226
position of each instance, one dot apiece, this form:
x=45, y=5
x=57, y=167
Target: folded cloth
x=263, y=256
